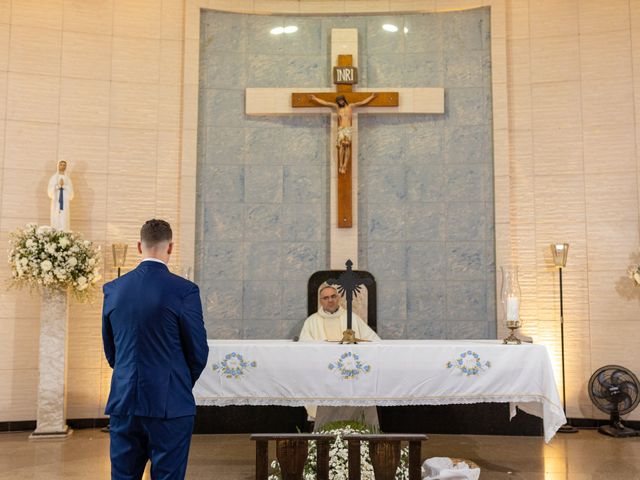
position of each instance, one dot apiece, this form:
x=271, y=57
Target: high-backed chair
x=320, y=277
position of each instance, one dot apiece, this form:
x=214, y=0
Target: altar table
x=391, y=372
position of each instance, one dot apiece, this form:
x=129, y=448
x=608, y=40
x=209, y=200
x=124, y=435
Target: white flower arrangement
x=634, y=273
x=46, y=257
x=338, y=455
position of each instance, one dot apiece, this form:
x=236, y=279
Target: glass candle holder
x=119, y=251
x=510, y=296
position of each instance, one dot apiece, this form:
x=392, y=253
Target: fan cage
x=617, y=377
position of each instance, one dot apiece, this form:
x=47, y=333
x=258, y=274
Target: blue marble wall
x=425, y=197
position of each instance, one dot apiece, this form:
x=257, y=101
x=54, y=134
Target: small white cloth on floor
x=441, y=468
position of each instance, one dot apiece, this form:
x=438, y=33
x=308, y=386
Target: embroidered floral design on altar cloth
x=234, y=365
x=349, y=366
x=469, y=363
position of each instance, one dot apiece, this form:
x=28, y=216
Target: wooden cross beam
x=382, y=99
x=346, y=72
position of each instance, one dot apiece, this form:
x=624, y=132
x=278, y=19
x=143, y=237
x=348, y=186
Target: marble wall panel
x=424, y=33
x=261, y=261
x=263, y=184
x=426, y=261
x=388, y=181
x=426, y=302
x=426, y=221
x=262, y=302
x=466, y=260
x=292, y=309
x=301, y=222
x=263, y=222
x=225, y=221
x=302, y=184
x=226, y=261
x=425, y=181
x=422, y=69
x=389, y=260
x=466, y=301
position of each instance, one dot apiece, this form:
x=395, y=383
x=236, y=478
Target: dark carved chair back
x=318, y=278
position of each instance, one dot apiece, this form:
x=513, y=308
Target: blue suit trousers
x=136, y=439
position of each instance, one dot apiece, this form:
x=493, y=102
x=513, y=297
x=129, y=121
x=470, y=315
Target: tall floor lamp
x=560, y=251
x=119, y=251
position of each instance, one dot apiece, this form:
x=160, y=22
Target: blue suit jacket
x=155, y=341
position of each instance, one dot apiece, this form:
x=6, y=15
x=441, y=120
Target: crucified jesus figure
x=345, y=116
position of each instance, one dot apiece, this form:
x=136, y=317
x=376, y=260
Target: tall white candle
x=513, y=303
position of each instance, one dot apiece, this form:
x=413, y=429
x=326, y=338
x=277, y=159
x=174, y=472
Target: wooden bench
x=384, y=450
x=291, y=451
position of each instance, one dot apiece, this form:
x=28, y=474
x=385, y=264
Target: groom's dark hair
x=154, y=232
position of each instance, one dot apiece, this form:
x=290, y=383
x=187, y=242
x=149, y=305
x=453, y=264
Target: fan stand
x=566, y=428
x=616, y=428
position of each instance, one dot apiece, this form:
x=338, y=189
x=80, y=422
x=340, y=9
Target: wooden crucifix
x=343, y=242
x=345, y=75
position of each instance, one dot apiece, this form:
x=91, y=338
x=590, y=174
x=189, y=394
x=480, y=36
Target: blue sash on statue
x=61, y=198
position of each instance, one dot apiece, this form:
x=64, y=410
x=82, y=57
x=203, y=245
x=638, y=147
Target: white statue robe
x=323, y=326
x=60, y=217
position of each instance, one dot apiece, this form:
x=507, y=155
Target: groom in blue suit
x=155, y=341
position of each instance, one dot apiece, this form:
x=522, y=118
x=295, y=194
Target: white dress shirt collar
x=151, y=259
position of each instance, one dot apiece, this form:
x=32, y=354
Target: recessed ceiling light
x=277, y=31
x=290, y=29
x=389, y=27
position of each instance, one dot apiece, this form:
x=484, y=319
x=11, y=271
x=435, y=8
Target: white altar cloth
x=391, y=372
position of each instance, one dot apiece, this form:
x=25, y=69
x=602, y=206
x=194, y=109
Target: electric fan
x=614, y=390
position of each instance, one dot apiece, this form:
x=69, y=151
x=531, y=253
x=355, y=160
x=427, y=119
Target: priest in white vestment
x=60, y=192
x=330, y=321
x=328, y=324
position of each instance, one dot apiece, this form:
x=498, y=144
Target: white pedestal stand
x=51, y=420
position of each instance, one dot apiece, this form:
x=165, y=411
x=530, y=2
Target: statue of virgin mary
x=60, y=192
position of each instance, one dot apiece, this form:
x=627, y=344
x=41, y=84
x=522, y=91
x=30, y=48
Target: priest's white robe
x=60, y=217
x=329, y=326
x=322, y=326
